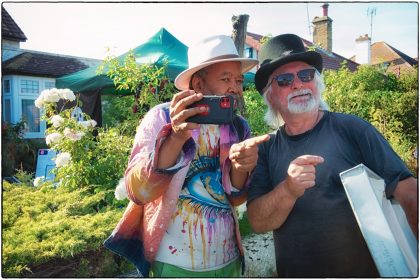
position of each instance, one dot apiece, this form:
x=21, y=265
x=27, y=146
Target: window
x=49, y=85
x=6, y=86
x=7, y=109
x=29, y=86
x=31, y=116
x=248, y=52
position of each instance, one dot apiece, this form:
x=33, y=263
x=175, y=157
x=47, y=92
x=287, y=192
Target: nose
x=297, y=83
x=234, y=88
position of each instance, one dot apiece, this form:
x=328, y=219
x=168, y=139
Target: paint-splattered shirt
x=201, y=235
x=154, y=192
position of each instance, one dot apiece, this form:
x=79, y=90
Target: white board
x=45, y=164
x=382, y=222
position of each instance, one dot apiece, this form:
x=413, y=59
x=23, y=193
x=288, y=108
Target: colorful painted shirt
x=201, y=235
x=154, y=192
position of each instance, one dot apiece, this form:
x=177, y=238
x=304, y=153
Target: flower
x=72, y=134
x=241, y=209
x=57, y=120
x=120, y=191
x=67, y=94
x=39, y=102
x=53, y=138
x=38, y=181
x=62, y=159
x=89, y=123
x=52, y=95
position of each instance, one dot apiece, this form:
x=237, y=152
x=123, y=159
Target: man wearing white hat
x=184, y=179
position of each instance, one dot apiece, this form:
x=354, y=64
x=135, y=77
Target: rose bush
x=83, y=160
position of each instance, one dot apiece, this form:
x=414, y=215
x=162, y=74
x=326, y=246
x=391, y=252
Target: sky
x=89, y=29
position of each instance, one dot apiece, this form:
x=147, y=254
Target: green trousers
x=160, y=269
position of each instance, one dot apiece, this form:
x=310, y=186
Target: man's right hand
x=179, y=113
x=301, y=174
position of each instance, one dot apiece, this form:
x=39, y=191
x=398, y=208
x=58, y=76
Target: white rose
x=39, y=102
x=53, y=138
x=241, y=209
x=120, y=190
x=38, y=181
x=51, y=95
x=57, y=120
x=73, y=134
x=89, y=123
x=67, y=94
x=93, y=123
x=62, y=159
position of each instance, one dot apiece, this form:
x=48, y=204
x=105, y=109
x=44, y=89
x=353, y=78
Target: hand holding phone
x=219, y=110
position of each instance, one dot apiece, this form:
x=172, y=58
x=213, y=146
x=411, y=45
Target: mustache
x=298, y=92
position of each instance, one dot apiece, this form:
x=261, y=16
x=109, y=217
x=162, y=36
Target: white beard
x=302, y=107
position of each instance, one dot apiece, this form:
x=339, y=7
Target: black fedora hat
x=280, y=50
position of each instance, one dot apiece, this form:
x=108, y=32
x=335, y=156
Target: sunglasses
x=286, y=79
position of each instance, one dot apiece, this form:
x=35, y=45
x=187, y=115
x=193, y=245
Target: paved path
x=259, y=255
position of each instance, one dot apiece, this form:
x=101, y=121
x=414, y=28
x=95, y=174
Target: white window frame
x=42, y=125
x=48, y=87
x=16, y=98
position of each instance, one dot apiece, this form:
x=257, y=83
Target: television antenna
x=371, y=12
x=309, y=23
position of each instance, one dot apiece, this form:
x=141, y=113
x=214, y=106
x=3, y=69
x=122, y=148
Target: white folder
x=382, y=222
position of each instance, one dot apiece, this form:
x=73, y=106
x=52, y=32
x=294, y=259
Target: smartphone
x=220, y=110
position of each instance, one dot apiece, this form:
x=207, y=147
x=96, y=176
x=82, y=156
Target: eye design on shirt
x=206, y=189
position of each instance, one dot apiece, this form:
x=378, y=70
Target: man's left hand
x=244, y=155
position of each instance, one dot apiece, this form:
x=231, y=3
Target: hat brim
x=261, y=76
x=182, y=81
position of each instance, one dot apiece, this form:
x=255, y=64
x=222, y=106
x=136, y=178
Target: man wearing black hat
x=296, y=189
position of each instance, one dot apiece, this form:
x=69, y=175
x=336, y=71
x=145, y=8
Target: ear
x=269, y=96
x=197, y=83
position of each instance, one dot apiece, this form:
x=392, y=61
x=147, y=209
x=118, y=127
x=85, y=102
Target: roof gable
x=331, y=60
x=383, y=52
x=9, y=29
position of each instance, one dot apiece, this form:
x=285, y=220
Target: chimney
x=322, y=35
x=325, y=9
x=363, y=47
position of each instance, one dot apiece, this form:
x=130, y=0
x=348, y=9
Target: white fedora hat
x=211, y=50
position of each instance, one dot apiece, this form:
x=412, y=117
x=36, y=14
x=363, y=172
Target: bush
x=255, y=111
x=48, y=226
x=18, y=153
x=390, y=104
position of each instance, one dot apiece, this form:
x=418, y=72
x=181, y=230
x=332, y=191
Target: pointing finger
x=308, y=159
x=256, y=140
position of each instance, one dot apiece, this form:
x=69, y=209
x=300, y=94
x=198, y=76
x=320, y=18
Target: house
x=381, y=53
x=322, y=43
x=26, y=73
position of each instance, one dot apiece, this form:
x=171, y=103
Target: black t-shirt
x=320, y=237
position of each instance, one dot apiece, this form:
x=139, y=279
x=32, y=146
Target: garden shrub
x=390, y=104
x=48, y=227
x=255, y=111
x=17, y=152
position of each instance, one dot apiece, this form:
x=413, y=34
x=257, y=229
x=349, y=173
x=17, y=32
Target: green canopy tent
x=161, y=47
